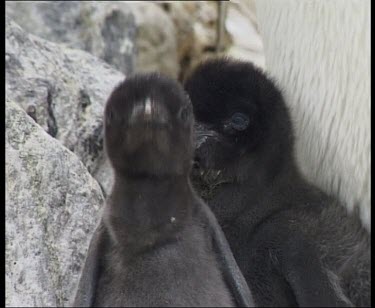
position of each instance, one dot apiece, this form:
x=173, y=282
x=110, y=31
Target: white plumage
x=319, y=54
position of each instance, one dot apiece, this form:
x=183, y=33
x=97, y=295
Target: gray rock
x=196, y=23
x=102, y=29
x=62, y=89
x=52, y=207
x=111, y=31
x=156, y=39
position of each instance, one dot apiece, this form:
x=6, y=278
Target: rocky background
x=62, y=61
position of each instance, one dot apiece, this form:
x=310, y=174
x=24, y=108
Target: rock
x=52, y=207
x=114, y=32
x=195, y=28
x=62, y=89
x=103, y=29
x=181, y=13
x=205, y=26
x=156, y=39
x=196, y=25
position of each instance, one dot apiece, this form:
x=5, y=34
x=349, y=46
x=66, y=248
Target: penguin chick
x=153, y=246
x=295, y=245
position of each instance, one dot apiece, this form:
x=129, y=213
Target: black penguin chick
x=295, y=245
x=154, y=247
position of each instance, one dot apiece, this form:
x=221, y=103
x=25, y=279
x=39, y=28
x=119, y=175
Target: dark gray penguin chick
x=295, y=245
x=154, y=246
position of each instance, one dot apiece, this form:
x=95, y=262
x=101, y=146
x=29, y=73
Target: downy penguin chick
x=295, y=245
x=157, y=251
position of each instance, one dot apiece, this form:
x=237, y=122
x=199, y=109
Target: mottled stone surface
x=196, y=25
x=106, y=30
x=156, y=39
x=130, y=36
x=64, y=90
x=52, y=207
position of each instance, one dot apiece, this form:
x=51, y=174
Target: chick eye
x=239, y=121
